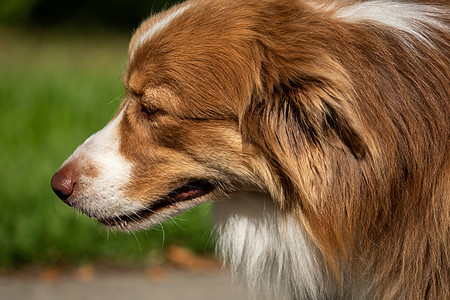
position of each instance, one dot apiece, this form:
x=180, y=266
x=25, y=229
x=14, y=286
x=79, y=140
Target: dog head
x=213, y=105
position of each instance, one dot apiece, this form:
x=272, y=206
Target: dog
x=319, y=129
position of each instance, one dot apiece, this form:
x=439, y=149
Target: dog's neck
x=269, y=250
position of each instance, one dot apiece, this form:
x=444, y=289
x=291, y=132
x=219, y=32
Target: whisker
x=114, y=100
x=137, y=240
x=163, y=235
x=138, y=217
x=178, y=225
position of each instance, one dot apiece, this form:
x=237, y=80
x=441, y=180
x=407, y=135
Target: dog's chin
x=181, y=199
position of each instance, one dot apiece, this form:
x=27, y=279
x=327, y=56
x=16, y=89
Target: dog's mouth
x=190, y=191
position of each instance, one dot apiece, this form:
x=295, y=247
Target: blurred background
x=61, y=64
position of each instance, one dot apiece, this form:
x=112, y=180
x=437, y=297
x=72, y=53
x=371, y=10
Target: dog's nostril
x=62, y=185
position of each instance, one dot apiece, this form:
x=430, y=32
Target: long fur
x=354, y=118
x=272, y=254
x=332, y=116
x=383, y=208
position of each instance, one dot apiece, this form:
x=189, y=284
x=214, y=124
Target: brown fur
x=344, y=124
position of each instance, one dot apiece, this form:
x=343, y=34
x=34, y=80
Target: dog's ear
x=301, y=118
x=334, y=114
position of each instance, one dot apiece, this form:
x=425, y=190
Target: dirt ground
x=89, y=283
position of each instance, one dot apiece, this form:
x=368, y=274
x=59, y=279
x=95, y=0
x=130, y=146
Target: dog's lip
x=192, y=190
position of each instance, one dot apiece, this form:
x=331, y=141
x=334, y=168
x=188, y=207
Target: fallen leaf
x=85, y=273
x=157, y=274
x=51, y=274
x=186, y=259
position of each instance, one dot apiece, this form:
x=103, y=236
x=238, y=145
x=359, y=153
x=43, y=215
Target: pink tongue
x=187, y=195
x=191, y=190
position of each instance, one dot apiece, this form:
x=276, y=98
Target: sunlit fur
x=324, y=125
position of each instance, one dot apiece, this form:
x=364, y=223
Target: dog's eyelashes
x=148, y=109
x=142, y=106
x=151, y=111
x=135, y=94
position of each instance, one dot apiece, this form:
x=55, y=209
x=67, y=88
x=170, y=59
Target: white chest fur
x=268, y=250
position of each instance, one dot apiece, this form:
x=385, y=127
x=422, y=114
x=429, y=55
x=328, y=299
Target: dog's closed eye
x=151, y=111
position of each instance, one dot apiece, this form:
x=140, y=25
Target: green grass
x=56, y=90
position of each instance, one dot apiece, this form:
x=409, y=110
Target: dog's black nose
x=63, y=183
